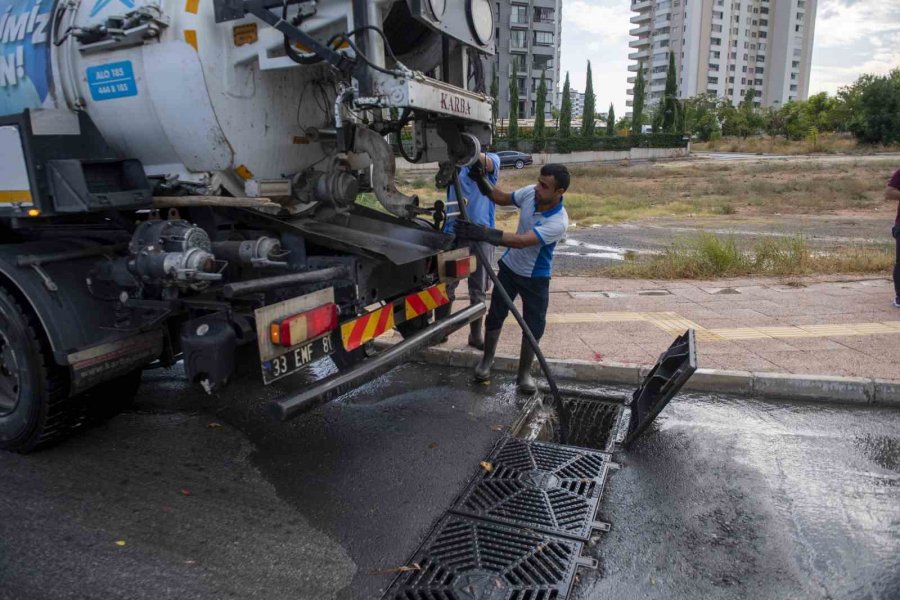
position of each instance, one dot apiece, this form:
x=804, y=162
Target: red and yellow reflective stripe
x=428, y=299
x=366, y=328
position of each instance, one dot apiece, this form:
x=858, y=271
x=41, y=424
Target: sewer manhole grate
x=545, y=487
x=470, y=559
x=592, y=422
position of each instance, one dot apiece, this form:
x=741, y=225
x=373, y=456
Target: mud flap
x=674, y=367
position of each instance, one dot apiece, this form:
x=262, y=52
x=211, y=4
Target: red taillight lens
x=459, y=268
x=308, y=325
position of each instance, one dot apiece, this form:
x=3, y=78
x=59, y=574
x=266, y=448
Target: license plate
x=293, y=360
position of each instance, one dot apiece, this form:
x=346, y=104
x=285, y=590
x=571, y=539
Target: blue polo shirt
x=549, y=226
x=480, y=208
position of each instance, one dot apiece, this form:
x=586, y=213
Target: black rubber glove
x=477, y=233
x=477, y=174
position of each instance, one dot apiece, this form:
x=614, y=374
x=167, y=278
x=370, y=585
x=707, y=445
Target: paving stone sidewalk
x=816, y=326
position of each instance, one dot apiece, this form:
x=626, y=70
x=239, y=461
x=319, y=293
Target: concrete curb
x=823, y=388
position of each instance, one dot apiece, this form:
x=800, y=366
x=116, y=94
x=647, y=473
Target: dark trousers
x=535, y=292
x=896, y=233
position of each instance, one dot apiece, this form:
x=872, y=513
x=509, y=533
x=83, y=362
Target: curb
x=779, y=386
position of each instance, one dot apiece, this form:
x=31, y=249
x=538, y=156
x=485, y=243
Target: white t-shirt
x=550, y=227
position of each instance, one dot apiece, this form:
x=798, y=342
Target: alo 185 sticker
x=111, y=81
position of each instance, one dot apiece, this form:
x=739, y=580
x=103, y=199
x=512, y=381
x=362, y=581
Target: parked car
x=511, y=158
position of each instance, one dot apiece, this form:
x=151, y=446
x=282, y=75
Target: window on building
x=713, y=67
x=712, y=80
x=715, y=41
x=763, y=10
x=518, y=15
x=661, y=44
x=731, y=68
x=743, y=81
x=717, y=14
x=735, y=31
x=798, y=28
x=793, y=87
x=717, y=28
x=542, y=63
x=759, y=93
x=763, y=22
x=795, y=64
x=660, y=69
x=760, y=70
x=762, y=34
x=746, y=56
x=543, y=38
x=517, y=38
x=754, y=22
x=731, y=80
x=543, y=15
x=762, y=46
x=733, y=56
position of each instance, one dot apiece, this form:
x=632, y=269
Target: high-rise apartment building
x=724, y=47
x=577, y=103
x=527, y=35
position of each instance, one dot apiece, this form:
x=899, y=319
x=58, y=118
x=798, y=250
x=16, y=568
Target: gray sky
x=852, y=37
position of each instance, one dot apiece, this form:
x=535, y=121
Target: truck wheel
x=34, y=407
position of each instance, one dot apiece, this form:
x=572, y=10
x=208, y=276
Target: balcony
x=517, y=46
x=639, y=43
x=638, y=5
x=640, y=18
x=640, y=55
x=640, y=30
x=513, y=22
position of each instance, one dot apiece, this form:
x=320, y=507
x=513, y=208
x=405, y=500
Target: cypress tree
x=637, y=109
x=513, y=131
x=669, y=97
x=587, y=116
x=539, y=113
x=565, y=111
x=611, y=120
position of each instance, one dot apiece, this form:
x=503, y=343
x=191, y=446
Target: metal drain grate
x=544, y=487
x=592, y=423
x=465, y=558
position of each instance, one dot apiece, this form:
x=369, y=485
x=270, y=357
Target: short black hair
x=559, y=172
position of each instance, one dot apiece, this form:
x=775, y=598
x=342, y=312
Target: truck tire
x=34, y=405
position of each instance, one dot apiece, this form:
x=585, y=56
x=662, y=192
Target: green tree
x=512, y=131
x=565, y=111
x=637, y=109
x=539, y=134
x=700, y=117
x=876, y=115
x=670, y=97
x=611, y=120
x=587, y=117
x=495, y=94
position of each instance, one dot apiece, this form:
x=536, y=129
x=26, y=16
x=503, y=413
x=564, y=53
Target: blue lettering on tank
x=101, y=4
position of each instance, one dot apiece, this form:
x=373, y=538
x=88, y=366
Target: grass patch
x=824, y=143
x=709, y=256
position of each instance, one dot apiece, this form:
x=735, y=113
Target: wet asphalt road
x=724, y=498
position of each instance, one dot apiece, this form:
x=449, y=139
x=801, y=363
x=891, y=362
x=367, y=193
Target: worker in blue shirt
x=526, y=265
x=480, y=210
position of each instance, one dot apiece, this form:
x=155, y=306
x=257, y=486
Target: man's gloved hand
x=477, y=233
x=477, y=174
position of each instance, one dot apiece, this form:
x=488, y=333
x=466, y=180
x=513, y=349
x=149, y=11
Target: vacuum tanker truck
x=179, y=182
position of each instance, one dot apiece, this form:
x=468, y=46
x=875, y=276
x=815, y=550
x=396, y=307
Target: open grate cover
x=466, y=558
x=545, y=487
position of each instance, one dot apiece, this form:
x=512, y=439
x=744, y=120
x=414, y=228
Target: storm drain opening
x=470, y=558
x=543, y=487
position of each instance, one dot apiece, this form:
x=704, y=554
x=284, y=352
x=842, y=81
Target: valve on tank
x=173, y=253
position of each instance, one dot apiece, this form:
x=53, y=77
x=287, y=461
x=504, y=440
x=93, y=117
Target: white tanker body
x=178, y=179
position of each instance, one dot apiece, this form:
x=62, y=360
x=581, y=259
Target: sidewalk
x=816, y=326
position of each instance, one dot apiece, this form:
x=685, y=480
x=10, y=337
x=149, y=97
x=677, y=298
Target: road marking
x=674, y=324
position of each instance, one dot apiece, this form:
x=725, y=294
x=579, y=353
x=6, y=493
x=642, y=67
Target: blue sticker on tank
x=24, y=54
x=111, y=81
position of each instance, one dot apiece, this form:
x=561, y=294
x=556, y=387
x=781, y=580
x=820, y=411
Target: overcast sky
x=852, y=37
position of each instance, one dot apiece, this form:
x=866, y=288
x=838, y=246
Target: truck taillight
x=460, y=268
x=304, y=326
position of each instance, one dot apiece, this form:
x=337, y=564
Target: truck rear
x=180, y=181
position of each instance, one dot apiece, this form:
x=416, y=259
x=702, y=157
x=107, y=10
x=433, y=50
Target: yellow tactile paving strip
x=675, y=324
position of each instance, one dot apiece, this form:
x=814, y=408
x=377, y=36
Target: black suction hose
x=561, y=409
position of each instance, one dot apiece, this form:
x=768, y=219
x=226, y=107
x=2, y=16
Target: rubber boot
x=524, y=381
x=476, y=339
x=483, y=369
